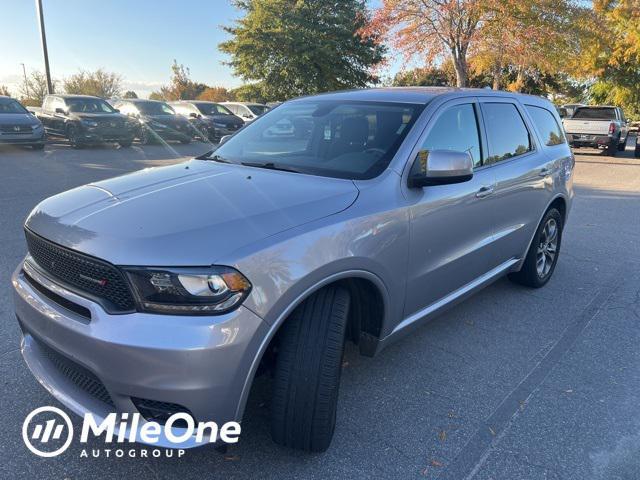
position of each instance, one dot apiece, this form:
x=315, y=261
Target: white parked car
x=247, y=111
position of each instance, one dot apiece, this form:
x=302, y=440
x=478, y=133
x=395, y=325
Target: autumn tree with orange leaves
x=483, y=34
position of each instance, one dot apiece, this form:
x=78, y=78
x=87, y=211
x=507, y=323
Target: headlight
x=89, y=123
x=189, y=291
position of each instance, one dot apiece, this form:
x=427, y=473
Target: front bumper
x=36, y=138
x=97, y=135
x=200, y=363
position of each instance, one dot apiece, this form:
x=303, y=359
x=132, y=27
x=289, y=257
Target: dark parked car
x=211, y=120
x=156, y=120
x=83, y=120
x=18, y=126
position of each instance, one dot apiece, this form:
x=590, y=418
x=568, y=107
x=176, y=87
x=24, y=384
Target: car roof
x=68, y=95
x=243, y=103
x=420, y=95
x=139, y=100
x=192, y=101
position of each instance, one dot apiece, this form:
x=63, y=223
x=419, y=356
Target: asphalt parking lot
x=511, y=384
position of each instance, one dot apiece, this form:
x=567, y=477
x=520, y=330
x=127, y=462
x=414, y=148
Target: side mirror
x=440, y=167
x=61, y=111
x=224, y=139
x=117, y=110
x=193, y=115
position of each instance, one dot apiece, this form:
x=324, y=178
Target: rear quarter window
x=546, y=124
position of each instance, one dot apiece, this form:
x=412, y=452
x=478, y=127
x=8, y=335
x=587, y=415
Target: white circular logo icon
x=48, y=432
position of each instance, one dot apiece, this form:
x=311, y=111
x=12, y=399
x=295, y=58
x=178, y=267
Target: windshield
x=258, y=109
x=354, y=140
x=89, y=105
x=595, y=113
x=9, y=105
x=155, y=108
x=213, y=109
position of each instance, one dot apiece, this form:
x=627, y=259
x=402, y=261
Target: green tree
x=99, y=84
x=130, y=94
x=181, y=86
x=288, y=48
x=34, y=89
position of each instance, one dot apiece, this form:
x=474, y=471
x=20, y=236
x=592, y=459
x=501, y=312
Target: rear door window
x=547, y=125
x=507, y=133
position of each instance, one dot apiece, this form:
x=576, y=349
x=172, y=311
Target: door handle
x=484, y=191
x=546, y=171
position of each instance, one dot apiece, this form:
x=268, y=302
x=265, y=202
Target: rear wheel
x=622, y=145
x=126, y=143
x=612, y=147
x=38, y=146
x=542, y=256
x=307, y=373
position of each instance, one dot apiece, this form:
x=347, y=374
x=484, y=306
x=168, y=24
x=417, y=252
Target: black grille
x=96, y=278
x=160, y=411
x=16, y=128
x=77, y=374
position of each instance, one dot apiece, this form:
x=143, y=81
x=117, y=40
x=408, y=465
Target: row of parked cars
x=83, y=120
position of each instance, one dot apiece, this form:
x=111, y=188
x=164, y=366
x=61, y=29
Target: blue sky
x=137, y=38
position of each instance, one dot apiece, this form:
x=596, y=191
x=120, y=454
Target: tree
x=181, y=86
x=34, y=89
x=130, y=94
x=4, y=90
x=431, y=29
x=216, y=94
x=288, y=48
x=99, y=84
x=611, y=58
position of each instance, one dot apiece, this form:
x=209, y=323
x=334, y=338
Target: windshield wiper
x=270, y=166
x=215, y=158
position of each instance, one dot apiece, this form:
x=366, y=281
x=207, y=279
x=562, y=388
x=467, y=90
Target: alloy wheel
x=547, y=248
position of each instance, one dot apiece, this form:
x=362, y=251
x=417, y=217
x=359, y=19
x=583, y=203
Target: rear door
x=523, y=174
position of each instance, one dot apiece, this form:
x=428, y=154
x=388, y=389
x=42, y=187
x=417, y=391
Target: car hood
x=98, y=116
x=189, y=214
x=18, y=119
x=226, y=119
x=167, y=119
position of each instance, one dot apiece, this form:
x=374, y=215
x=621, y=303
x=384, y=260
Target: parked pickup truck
x=597, y=127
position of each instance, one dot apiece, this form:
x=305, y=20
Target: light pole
x=43, y=36
x=26, y=83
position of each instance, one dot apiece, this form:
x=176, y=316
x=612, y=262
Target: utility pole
x=43, y=36
x=26, y=83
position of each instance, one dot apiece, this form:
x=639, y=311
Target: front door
x=451, y=230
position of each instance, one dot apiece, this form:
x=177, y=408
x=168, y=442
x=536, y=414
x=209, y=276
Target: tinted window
x=155, y=108
x=8, y=105
x=456, y=129
x=213, y=109
x=89, y=105
x=355, y=140
x=507, y=134
x=258, y=109
x=587, y=113
x=547, y=125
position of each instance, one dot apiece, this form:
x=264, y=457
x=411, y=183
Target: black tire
x=637, y=151
x=38, y=146
x=529, y=274
x=623, y=145
x=144, y=136
x=612, y=147
x=185, y=141
x=72, y=136
x=307, y=372
x=126, y=143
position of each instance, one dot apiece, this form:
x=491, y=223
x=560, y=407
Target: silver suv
x=348, y=216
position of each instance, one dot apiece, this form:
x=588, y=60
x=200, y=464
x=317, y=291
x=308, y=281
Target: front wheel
x=542, y=256
x=125, y=143
x=73, y=136
x=307, y=372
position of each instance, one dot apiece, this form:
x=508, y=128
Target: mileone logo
x=52, y=433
